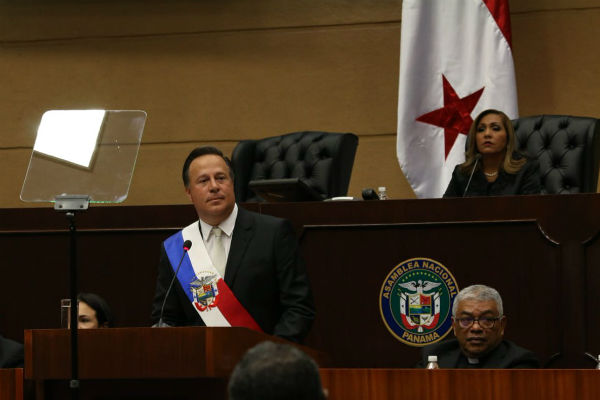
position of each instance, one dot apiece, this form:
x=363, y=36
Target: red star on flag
x=455, y=116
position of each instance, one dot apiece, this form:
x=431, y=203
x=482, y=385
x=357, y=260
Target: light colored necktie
x=218, y=251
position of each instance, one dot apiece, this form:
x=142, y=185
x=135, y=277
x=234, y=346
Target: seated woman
x=492, y=161
x=93, y=312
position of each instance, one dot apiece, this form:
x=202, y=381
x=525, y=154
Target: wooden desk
x=11, y=383
x=461, y=384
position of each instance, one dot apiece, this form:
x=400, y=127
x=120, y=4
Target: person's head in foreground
x=477, y=320
x=271, y=371
x=93, y=312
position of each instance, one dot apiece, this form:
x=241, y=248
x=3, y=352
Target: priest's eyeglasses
x=484, y=322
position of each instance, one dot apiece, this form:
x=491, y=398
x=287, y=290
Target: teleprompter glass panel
x=84, y=152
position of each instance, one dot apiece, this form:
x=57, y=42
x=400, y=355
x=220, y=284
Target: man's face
x=476, y=341
x=211, y=188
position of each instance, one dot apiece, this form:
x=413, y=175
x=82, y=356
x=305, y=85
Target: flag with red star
x=455, y=61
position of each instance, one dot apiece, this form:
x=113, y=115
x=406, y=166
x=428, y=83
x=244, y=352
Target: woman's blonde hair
x=510, y=164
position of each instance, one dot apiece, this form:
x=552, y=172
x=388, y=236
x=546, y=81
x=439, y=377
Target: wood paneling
x=11, y=384
x=216, y=73
x=36, y=20
x=381, y=384
x=540, y=252
x=555, y=62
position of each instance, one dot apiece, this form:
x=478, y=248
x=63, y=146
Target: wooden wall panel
x=528, y=6
x=534, y=249
x=219, y=86
x=351, y=262
x=590, y=294
x=213, y=88
x=556, y=61
x=157, y=177
x=13, y=168
x=220, y=72
x=376, y=165
x=34, y=20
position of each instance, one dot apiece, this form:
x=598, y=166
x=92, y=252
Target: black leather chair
x=322, y=160
x=567, y=148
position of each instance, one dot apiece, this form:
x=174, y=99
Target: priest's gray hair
x=479, y=293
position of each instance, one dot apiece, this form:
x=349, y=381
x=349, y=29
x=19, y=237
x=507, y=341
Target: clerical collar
x=472, y=360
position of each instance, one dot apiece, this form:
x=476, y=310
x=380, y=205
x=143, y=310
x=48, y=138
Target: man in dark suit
x=11, y=353
x=257, y=255
x=478, y=323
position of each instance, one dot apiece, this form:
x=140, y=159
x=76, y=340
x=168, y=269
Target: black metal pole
x=74, y=382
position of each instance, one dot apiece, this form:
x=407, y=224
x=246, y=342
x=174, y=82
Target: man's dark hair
x=199, y=152
x=271, y=371
x=98, y=304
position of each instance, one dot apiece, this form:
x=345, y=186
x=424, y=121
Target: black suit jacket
x=505, y=355
x=11, y=353
x=265, y=272
x=526, y=181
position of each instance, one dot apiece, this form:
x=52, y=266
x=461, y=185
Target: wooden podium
x=11, y=383
x=157, y=363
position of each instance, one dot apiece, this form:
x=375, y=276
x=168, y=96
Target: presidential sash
x=205, y=288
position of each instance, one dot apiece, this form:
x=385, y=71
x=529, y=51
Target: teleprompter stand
x=71, y=204
x=82, y=157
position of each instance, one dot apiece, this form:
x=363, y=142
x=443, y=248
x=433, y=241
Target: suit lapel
x=450, y=359
x=242, y=233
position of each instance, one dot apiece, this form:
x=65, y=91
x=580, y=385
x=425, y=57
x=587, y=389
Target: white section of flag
x=461, y=40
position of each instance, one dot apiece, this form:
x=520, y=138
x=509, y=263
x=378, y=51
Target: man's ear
x=454, y=326
x=187, y=191
x=502, y=324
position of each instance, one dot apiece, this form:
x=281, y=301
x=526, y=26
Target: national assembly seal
x=416, y=301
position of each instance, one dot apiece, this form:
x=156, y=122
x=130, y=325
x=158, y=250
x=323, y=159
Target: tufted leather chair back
x=567, y=148
x=323, y=160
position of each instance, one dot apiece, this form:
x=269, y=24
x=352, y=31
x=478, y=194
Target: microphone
x=187, y=245
x=477, y=158
x=369, y=194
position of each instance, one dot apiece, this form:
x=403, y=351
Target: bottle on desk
x=432, y=362
x=382, y=193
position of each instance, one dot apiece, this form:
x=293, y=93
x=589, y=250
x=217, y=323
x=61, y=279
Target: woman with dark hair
x=93, y=312
x=492, y=165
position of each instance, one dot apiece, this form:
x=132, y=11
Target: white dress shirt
x=226, y=226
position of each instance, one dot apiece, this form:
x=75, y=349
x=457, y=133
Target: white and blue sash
x=205, y=288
